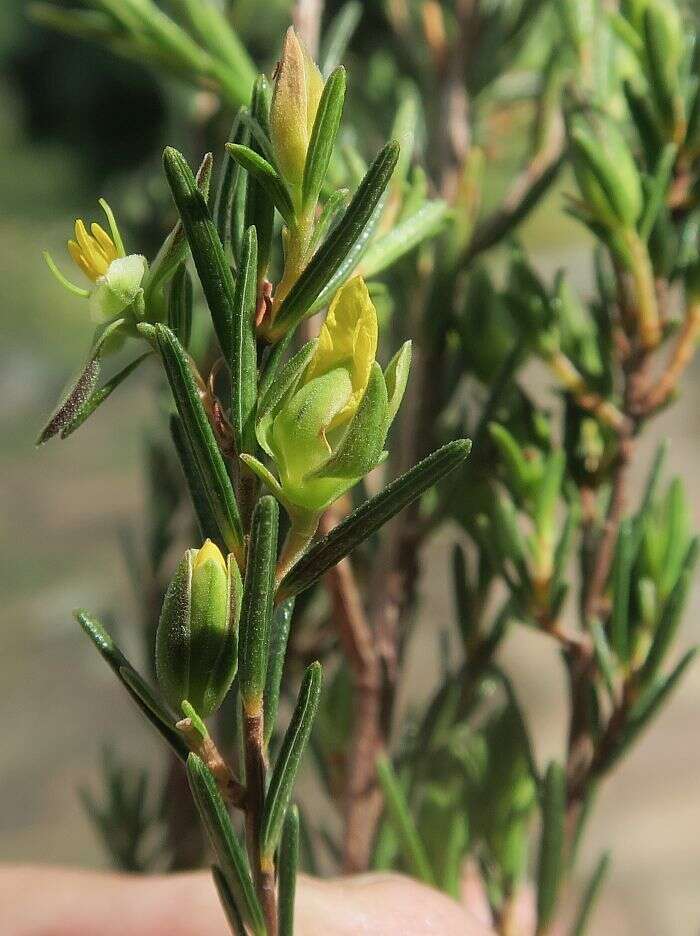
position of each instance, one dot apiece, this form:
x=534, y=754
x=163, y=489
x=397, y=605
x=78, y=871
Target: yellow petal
x=92, y=252
x=79, y=260
x=348, y=339
x=105, y=241
x=208, y=551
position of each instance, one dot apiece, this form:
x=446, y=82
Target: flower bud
x=197, y=637
x=297, y=92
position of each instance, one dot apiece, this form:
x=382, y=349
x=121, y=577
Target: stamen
x=71, y=287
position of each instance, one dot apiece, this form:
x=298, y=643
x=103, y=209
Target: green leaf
x=226, y=212
x=279, y=637
x=647, y=707
x=466, y=620
x=228, y=902
x=550, y=868
x=207, y=250
x=180, y=300
x=289, y=758
x=621, y=581
x=97, y=397
x=590, y=896
x=259, y=207
x=370, y=516
x=425, y=223
x=396, y=379
x=667, y=627
x=173, y=250
x=267, y=176
x=399, y=813
x=656, y=195
x=243, y=361
x=256, y=612
x=213, y=477
x=208, y=526
x=338, y=35
x=335, y=203
x=229, y=852
x=519, y=471
x=323, y=137
x=335, y=249
x=216, y=34
x=603, y=654
x=287, y=873
x=81, y=389
x=155, y=711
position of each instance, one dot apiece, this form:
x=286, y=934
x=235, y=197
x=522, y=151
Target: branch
x=363, y=800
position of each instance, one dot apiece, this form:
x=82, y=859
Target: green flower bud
x=197, y=637
x=329, y=428
x=606, y=173
x=295, y=99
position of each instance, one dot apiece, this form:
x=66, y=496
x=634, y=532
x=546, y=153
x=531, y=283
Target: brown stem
x=681, y=357
x=362, y=798
x=205, y=748
x=255, y=770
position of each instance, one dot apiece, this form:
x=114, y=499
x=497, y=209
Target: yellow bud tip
x=208, y=551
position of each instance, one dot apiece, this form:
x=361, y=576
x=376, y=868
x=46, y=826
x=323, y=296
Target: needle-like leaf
x=288, y=760
x=370, y=516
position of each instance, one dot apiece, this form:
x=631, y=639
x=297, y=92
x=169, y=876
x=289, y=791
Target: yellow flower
x=115, y=277
x=348, y=339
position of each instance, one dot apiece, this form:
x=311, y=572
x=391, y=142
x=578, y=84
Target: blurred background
x=76, y=124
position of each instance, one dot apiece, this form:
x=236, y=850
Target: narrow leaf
x=287, y=874
x=256, y=612
x=230, y=177
x=647, y=707
x=228, y=902
x=229, y=852
x=279, y=636
x=590, y=896
x=207, y=250
x=267, y=176
x=180, y=301
x=242, y=355
x=667, y=627
x=549, y=873
x=621, y=580
x=259, y=207
x=656, y=195
x=334, y=250
x=323, y=137
x=155, y=711
x=208, y=526
x=370, y=516
x=399, y=813
x=97, y=397
x=205, y=451
x=402, y=239
x=338, y=35
x=289, y=758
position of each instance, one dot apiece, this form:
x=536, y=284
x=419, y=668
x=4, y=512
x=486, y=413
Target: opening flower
x=328, y=428
x=101, y=257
